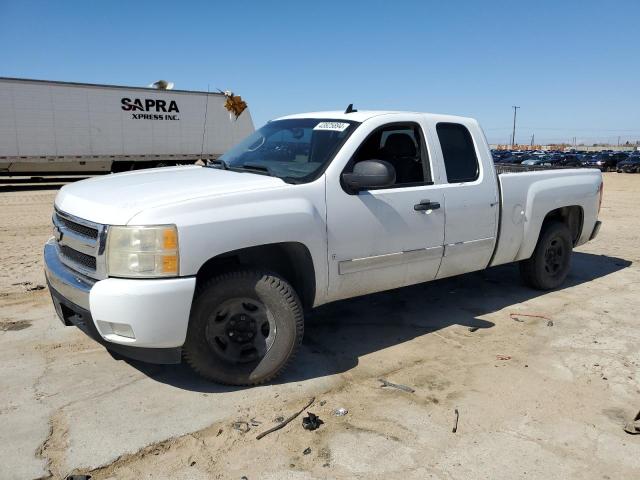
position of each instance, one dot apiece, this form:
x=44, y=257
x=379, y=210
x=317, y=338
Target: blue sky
x=572, y=66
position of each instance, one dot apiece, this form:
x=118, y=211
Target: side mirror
x=370, y=174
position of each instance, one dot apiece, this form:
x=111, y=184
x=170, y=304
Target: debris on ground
x=517, y=317
x=311, y=422
x=550, y=323
x=14, y=326
x=503, y=357
x=340, y=412
x=279, y=419
x=633, y=428
x=404, y=388
x=287, y=420
x=455, y=423
x=27, y=286
x=241, y=426
x=473, y=329
x=307, y=451
x=322, y=403
x=78, y=477
x=254, y=423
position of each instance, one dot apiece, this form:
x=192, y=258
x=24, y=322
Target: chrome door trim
x=388, y=260
x=467, y=247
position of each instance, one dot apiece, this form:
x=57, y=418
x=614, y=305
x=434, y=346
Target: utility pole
x=513, y=135
x=533, y=136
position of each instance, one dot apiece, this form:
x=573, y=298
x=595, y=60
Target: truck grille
x=80, y=244
x=82, y=258
x=77, y=227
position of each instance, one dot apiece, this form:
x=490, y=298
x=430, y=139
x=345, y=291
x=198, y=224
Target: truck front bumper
x=153, y=314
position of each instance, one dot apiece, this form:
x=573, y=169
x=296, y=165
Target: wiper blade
x=217, y=163
x=258, y=168
x=248, y=167
x=264, y=169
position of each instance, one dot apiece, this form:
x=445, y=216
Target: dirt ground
x=537, y=397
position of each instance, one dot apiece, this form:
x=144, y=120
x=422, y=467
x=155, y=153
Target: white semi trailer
x=63, y=127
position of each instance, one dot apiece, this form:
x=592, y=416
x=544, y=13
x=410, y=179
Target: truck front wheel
x=245, y=327
x=551, y=260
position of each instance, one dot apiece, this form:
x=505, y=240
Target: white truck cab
x=216, y=264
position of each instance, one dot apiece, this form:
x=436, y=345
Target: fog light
x=121, y=329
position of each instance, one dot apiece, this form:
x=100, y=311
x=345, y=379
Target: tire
x=551, y=260
x=244, y=328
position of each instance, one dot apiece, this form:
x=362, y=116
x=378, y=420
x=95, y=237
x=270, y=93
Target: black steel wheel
x=554, y=256
x=241, y=330
x=244, y=328
x=550, y=263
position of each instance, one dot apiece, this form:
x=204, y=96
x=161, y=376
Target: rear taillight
x=601, y=193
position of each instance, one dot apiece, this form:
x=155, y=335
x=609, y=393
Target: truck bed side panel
x=529, y=196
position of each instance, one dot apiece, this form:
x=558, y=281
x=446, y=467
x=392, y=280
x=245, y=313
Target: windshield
x=296, y=150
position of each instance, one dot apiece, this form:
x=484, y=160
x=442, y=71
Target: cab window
x=459, y=154
x=402, y=146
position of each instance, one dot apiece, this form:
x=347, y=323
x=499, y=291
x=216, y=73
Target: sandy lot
x=554, y=410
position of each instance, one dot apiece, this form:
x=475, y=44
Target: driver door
x=377, y=240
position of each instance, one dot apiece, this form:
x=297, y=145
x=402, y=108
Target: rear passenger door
x=471, y=197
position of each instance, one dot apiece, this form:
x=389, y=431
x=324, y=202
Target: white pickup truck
x=216, y=265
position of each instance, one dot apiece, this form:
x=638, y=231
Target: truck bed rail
x=517, y=168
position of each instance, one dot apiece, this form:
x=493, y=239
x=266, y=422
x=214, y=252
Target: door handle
x=426, y=205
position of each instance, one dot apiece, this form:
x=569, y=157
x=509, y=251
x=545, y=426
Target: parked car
x=536, y=160
x=216, y=264
x=605, y=162
x=566, y=160
x=555, y=160
x=630, y=165
x=511, y=159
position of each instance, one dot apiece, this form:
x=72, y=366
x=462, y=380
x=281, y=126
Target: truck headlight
x=143, y=251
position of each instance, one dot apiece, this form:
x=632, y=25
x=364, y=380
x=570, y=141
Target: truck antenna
x=350, y=109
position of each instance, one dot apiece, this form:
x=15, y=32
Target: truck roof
x=362, y=115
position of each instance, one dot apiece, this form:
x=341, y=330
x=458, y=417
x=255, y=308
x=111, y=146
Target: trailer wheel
x=244, y=329
x=551, y=260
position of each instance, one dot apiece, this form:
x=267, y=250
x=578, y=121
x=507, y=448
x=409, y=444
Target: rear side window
x=460, y=160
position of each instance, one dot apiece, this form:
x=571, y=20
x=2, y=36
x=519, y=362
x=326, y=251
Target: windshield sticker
x=332, y=126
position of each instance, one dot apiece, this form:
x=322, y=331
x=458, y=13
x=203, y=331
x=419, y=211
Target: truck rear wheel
x=551, y=260
x=245, y=327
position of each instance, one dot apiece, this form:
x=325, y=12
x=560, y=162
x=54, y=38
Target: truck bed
x=528, y=193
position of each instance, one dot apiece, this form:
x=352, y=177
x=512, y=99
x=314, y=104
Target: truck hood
x=115, y=199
